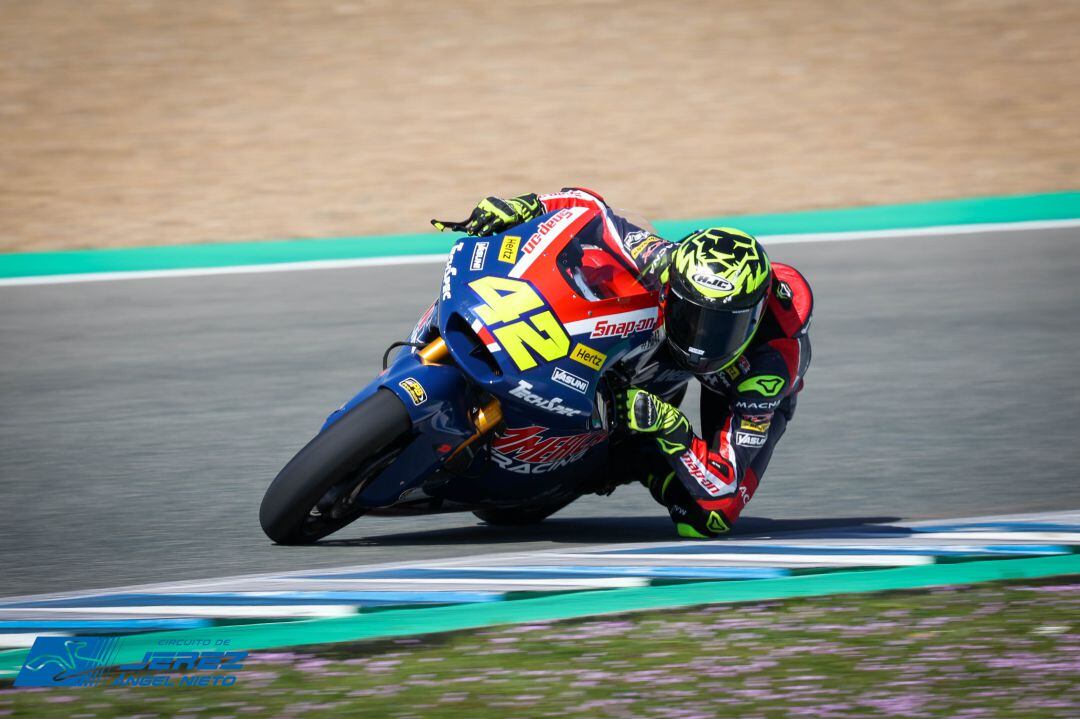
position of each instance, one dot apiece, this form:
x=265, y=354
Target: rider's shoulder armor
x=791, y=304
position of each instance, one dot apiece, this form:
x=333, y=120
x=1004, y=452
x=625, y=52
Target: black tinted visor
x=708, y=339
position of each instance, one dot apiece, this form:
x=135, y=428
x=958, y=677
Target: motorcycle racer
x=732, y=319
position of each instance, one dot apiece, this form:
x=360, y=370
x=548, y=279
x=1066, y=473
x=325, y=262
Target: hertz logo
x=588, y=356
x=508, y=251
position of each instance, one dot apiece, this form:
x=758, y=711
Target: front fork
x=487, y=419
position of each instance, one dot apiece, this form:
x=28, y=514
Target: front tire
x=351, y=451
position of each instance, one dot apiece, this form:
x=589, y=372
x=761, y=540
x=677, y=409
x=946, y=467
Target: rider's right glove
x=645, y=413
x=494, y=214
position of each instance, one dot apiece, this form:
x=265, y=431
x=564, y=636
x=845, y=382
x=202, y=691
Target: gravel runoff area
x=1002, y=651
x=140, y=122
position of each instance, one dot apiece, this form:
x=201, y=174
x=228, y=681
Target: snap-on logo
x=622, y=329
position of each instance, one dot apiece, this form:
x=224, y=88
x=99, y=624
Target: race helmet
x=717, y=287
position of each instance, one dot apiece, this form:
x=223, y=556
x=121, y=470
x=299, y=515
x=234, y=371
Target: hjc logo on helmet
x=712, y=282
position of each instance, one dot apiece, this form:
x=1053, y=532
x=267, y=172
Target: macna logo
x=767, y=385
x=716, y=523
x=67, y=662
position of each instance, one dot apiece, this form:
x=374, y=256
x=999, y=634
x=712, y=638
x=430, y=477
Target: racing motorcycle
x=501, y=403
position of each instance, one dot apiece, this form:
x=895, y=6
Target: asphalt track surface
x=141, y=420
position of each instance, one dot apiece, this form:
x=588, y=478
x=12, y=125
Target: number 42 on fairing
x=505, y=301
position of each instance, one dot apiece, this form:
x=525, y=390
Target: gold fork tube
x=435, y=352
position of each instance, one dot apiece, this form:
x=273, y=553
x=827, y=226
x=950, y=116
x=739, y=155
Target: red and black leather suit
x=744, y=408
x=742, y=415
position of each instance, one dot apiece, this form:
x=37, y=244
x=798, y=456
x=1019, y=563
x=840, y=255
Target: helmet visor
x=708, y=339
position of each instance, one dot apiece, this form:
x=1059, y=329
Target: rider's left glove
x=645, y=413
x=494, y=214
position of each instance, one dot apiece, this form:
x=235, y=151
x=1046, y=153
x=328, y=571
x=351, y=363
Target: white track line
x=782, y=560
x=440, y=258
x=24, y=639
x=590, y=553
x=418, y=583
x=228, y=270
x=207, y=610
x=1004, y=537
x=971, y=229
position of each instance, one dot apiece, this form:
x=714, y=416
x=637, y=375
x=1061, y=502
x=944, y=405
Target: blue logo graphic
x=67, y=662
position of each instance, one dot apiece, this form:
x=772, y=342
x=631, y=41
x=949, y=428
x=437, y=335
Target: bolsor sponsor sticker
x=568, y=379
x=414, y=389
x=747, y=424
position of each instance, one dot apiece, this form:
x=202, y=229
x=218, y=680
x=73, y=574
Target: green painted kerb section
x=1019, y=208
x=405, y=622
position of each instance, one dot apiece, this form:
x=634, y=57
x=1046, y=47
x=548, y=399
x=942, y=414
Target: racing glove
x=494, y=214
x=645, y=413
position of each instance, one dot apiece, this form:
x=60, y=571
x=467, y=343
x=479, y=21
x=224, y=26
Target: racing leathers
x=704, y=479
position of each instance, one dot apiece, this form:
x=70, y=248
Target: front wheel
x=312, y=496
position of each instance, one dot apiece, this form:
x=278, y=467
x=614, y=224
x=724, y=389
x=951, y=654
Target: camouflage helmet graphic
x=718, y=285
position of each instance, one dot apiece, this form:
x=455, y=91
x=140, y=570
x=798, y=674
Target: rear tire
x=333, y=457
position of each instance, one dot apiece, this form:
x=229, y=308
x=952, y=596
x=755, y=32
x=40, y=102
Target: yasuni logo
x=570, y=380
x=479, y=256
x=711, y=281
x=745, y=439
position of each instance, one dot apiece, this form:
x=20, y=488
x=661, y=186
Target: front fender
x=435, y=396
x=438, y=399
